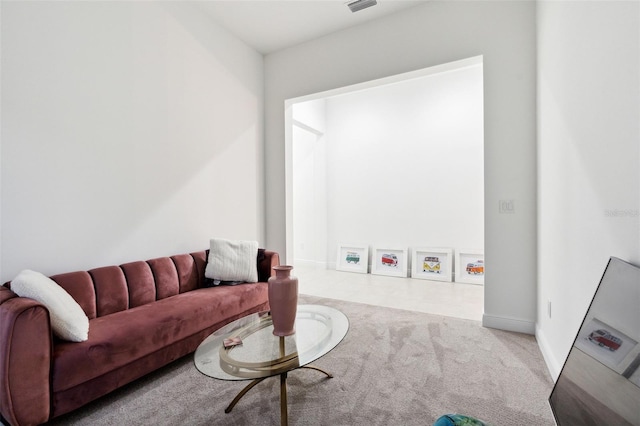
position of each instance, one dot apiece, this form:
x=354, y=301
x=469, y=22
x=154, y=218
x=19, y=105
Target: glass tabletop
x=318, y=329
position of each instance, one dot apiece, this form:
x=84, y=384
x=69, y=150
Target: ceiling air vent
x=361, y=4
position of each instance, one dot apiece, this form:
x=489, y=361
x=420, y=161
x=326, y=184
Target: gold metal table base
x=283, y=392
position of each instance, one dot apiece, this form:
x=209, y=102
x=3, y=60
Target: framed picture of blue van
x=469, y=266
x=432, y=264
x=353, y=258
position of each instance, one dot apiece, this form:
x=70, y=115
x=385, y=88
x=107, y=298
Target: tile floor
x=435, y=297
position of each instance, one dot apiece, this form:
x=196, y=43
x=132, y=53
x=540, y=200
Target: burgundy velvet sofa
x=142, y=316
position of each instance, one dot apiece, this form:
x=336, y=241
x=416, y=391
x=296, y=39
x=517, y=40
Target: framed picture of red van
x=432, y=263
x=388, y=260
x=353, y=258
x=607, y=344
x=469, y=266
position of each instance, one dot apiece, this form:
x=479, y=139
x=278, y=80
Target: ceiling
x=272, y=25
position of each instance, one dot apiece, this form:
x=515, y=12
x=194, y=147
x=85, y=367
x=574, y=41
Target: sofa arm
x=25, y=360
x=265, y=267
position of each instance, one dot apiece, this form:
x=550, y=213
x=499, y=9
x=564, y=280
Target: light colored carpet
x=394, y=367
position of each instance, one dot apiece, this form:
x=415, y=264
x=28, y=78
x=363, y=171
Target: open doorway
x=396, y=161
x=309, y=191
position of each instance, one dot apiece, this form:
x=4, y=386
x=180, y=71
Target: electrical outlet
x=507, y=207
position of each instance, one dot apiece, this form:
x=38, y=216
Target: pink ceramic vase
x=283, y=298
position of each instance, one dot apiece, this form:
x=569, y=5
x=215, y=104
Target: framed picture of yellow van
x=432, y=263
x=469, y=266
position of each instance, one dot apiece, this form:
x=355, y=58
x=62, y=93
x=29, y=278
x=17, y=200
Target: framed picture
x=432, y=264
x=469, y=266
x=606, y=344
x=353, y=258
x=389, y=261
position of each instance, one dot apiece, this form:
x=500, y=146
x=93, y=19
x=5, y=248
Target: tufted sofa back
x=110, y=289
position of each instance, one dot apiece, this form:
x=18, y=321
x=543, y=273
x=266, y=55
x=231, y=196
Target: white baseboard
x=553, y=365
x=509, y=324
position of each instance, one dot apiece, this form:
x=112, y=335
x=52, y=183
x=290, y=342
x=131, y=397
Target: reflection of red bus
x=605, y=339
x=389, y=259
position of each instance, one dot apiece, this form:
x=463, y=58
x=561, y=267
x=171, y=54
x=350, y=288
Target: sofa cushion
x=122, y=337
x=68, y=320
x=232, y=260
x=79, y=285
x=112, y=292
x=140, y=283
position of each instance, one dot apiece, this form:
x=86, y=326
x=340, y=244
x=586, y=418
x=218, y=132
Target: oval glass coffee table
x=260, y=355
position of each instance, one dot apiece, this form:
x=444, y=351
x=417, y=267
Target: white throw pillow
x=232, y=261
x=68, y=320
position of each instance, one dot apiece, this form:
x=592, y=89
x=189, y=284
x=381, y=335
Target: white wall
x=311, y=114
x=309, y=184
x=588, y=158
x=130, y=130
x=427, y=35
x=405, y=163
